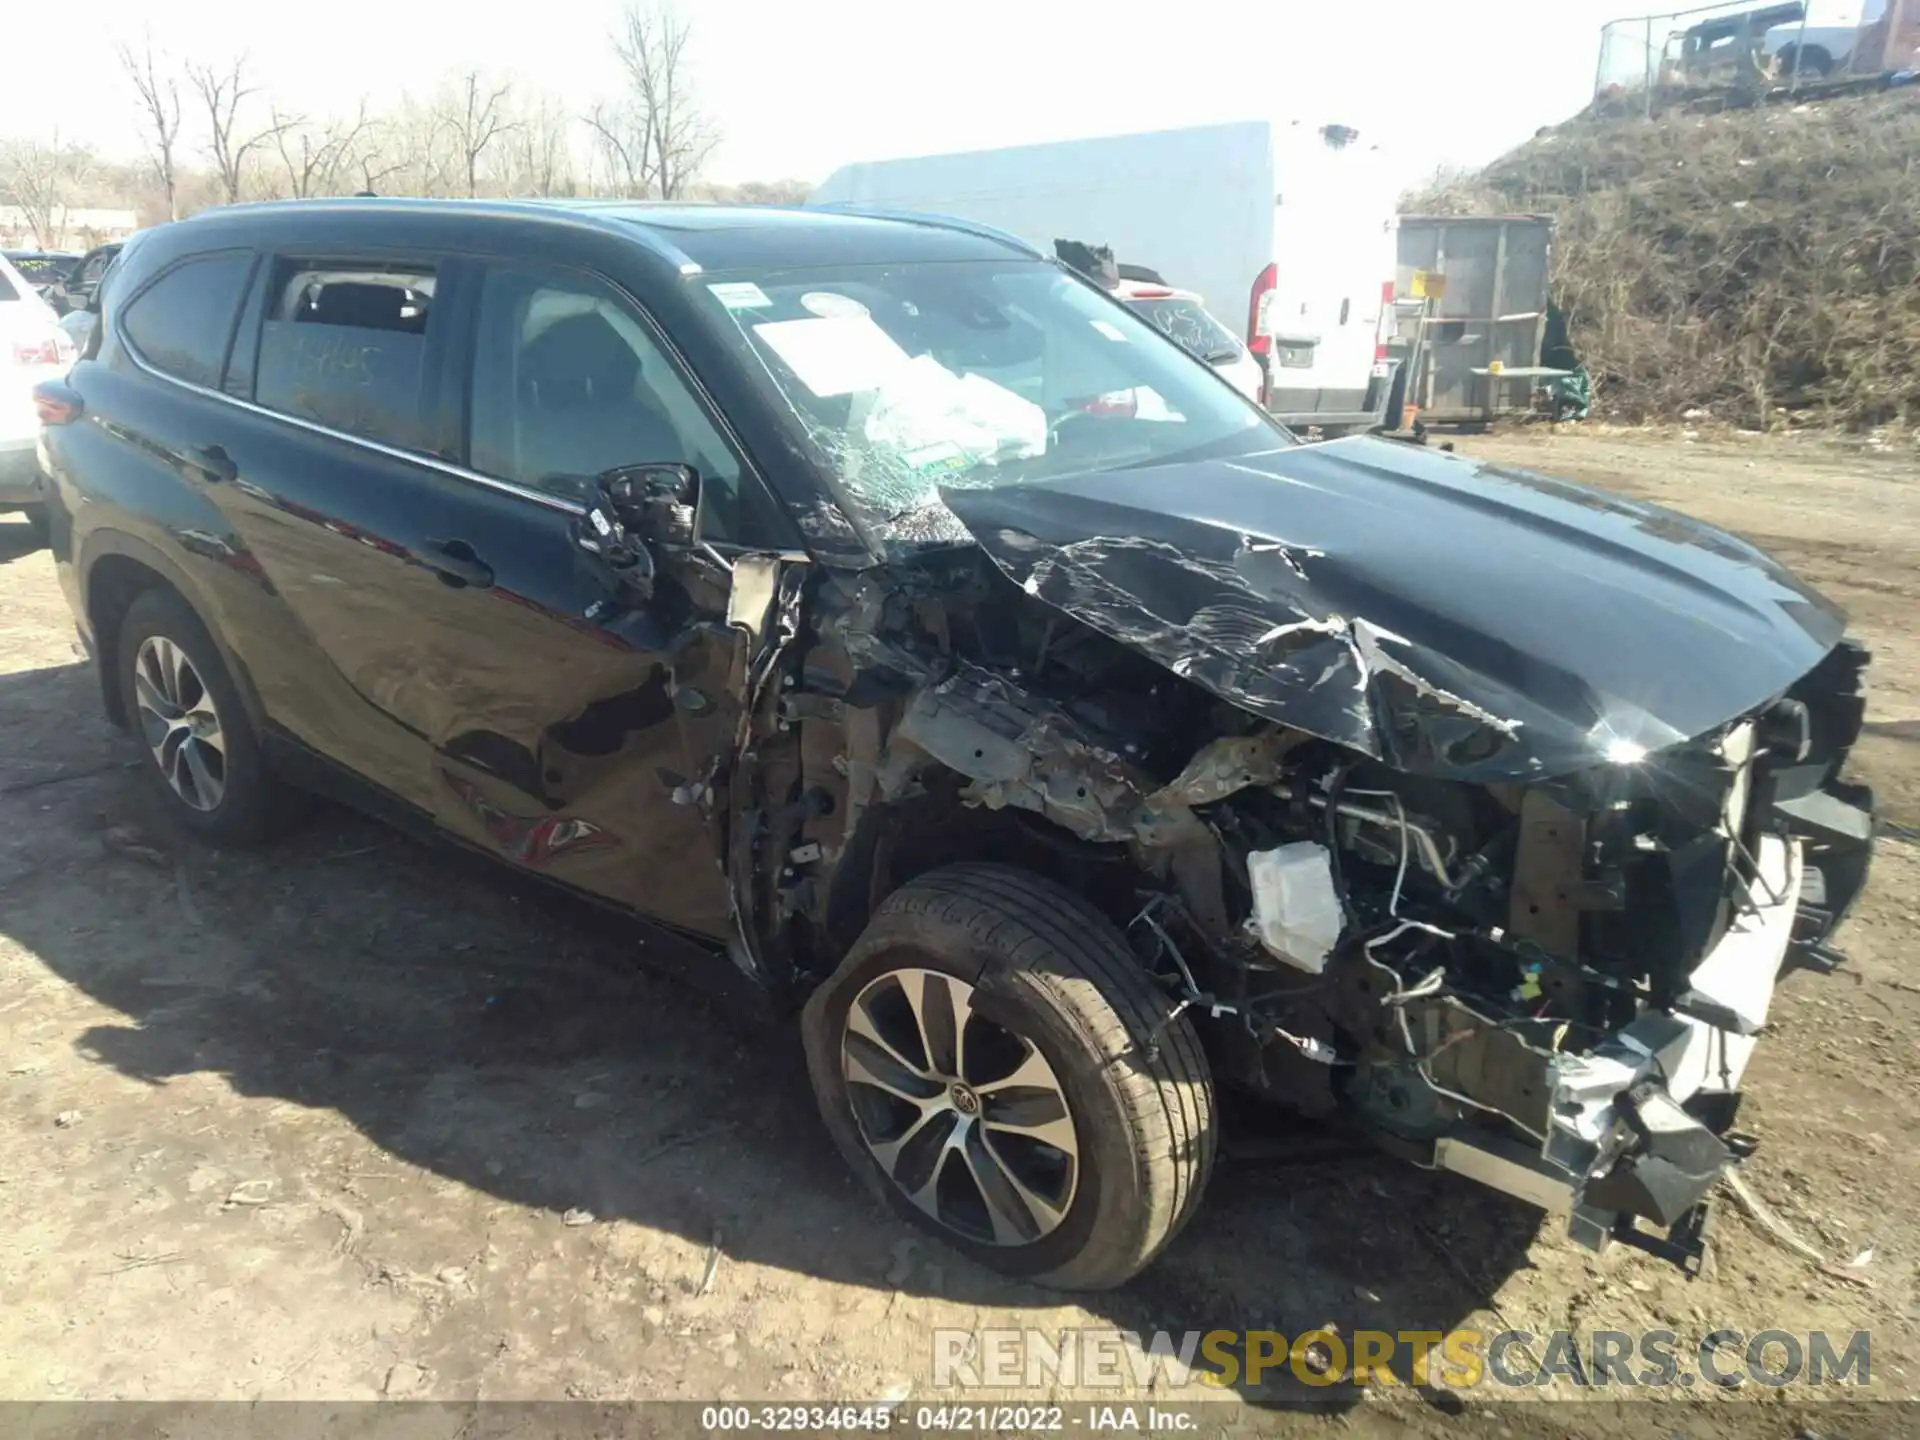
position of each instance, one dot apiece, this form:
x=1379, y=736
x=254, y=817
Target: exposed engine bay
x=1550, y=987
x=1498, y=872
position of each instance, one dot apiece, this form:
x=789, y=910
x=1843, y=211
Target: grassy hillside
x=1761, y=264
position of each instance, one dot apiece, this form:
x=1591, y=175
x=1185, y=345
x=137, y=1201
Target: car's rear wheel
x=205, y=760
x=993, y=1059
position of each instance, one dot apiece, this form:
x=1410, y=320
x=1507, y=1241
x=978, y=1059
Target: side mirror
x=631, y=509
x=659, y=501
x=618, y=557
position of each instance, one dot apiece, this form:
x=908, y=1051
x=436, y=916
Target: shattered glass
x=973, y=375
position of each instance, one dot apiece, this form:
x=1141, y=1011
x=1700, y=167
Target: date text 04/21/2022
x=990, y=1419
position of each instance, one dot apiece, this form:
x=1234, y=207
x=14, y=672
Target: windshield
x=1185, y=322
x=909, y=377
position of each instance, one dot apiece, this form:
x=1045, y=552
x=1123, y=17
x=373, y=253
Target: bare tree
x=371, y=156
x=314, y=157
x=538, y=159
x=44, y=180
x=229, y=143
x=622, y=147
x=655, y=138
x=159, y=118
x=766, y=192
x=408, y=151
x=476, y=117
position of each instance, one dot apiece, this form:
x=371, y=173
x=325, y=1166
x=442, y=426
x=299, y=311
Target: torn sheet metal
x=1448, y=618
x=1018, y=751
x=1222, y=767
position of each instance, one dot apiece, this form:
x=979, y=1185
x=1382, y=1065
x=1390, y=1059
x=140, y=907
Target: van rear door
x=1333, y=258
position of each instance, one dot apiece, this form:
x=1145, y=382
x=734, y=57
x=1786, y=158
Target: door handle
x=456, y=564
x=213, y=462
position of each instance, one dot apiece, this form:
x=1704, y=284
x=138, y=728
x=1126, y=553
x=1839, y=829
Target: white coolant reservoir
x=1296, y=910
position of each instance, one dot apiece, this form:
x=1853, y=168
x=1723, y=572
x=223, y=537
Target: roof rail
x=938, y=222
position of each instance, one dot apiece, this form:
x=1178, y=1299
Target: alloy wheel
x=180, y=723
x=965, y=1117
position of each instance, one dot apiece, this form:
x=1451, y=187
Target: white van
x=1285, y=231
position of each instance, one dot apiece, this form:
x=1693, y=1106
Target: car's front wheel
x=992, y=1057
x=206, y=763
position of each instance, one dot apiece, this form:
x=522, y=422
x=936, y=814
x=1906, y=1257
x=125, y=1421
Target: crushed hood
x=1447, y=617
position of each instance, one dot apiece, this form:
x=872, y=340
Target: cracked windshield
x=966, y=374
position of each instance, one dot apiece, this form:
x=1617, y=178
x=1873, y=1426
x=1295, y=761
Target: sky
x=800, y=88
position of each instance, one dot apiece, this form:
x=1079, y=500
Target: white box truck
x=1285, y=230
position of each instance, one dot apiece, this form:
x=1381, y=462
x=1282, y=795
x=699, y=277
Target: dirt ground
x=352, y=1117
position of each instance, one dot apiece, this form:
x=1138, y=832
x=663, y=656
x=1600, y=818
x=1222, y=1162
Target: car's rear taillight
x=49, y=348
x=1389, y=322
x=55, y=403
x=1263, y=286
x=1115, y=404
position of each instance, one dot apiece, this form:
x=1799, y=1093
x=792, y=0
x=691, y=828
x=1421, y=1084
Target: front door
x=590, y=752
x=466, y=669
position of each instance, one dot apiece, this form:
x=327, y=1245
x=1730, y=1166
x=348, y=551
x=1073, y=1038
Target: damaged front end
x=1406, y=907
x=1572, y=1027
x=1504, y=874
x=1552, y=989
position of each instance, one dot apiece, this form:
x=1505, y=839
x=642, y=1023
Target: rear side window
x=180, y=324
x=1185, y=322
x=345, y=346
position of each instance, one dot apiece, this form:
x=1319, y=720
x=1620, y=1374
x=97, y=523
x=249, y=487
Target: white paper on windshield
x=835, y=355
x=740, y=295
x=1110, y=330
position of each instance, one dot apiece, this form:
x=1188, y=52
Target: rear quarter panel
x=123, y=493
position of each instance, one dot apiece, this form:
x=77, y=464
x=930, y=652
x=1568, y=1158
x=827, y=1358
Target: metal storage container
x=1492, y=311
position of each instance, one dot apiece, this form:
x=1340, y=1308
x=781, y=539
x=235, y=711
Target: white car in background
x=1179, y=315
x=32, y=348
x=1825, y=43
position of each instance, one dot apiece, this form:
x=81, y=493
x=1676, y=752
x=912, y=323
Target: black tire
x=1396, y=413
x=1815, y=63
x=253, y=806
x=1055, y=972
x=39, y=523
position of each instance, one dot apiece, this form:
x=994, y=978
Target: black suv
x=951, y=660
x=78, y=279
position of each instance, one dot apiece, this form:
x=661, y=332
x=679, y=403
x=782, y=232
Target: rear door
x=1333, y=259
x=327, y=475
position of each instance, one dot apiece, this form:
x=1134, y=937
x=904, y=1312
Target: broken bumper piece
x=1638, y=1127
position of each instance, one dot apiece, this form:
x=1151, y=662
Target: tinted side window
x=1189, y=326
x=568, y=383
x=182, y=322
x=345, y=346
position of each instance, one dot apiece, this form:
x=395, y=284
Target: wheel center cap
x=964, y=1100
